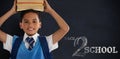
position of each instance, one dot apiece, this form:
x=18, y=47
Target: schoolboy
x=31, y=24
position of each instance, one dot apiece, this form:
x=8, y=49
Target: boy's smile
x=30, y=23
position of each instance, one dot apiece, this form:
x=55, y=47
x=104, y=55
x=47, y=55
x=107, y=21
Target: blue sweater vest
x=40, y=50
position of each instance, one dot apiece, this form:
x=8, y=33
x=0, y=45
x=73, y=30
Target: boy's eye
x=25, y=21
x=34, y=21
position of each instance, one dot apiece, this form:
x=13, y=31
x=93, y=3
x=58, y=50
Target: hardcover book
x=30, y=4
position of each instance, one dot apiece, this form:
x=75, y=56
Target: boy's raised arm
x=8, y=14
x=3, y=19
x=63, y=26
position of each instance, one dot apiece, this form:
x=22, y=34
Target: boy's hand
x=13, y=9
x=47, y=7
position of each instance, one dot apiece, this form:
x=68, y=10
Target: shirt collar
x=35, y=36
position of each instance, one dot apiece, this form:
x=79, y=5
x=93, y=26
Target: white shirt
x=8, y=44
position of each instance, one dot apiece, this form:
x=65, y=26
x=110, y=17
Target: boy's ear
x=20, y=24
x=40, y=25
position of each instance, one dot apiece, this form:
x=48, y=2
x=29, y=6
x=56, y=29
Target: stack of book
x=30, y=4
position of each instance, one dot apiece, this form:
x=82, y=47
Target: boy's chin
x=30, y=34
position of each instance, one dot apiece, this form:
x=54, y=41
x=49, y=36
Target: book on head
x=30, y=4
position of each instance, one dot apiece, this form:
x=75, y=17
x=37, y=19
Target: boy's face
x=30, y=23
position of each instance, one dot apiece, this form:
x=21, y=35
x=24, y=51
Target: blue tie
x=30, y=42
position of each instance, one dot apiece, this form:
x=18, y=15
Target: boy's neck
x=31, y=35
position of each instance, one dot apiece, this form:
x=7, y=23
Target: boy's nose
x=30, y=24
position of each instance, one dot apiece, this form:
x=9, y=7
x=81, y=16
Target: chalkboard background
x=96, y=20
